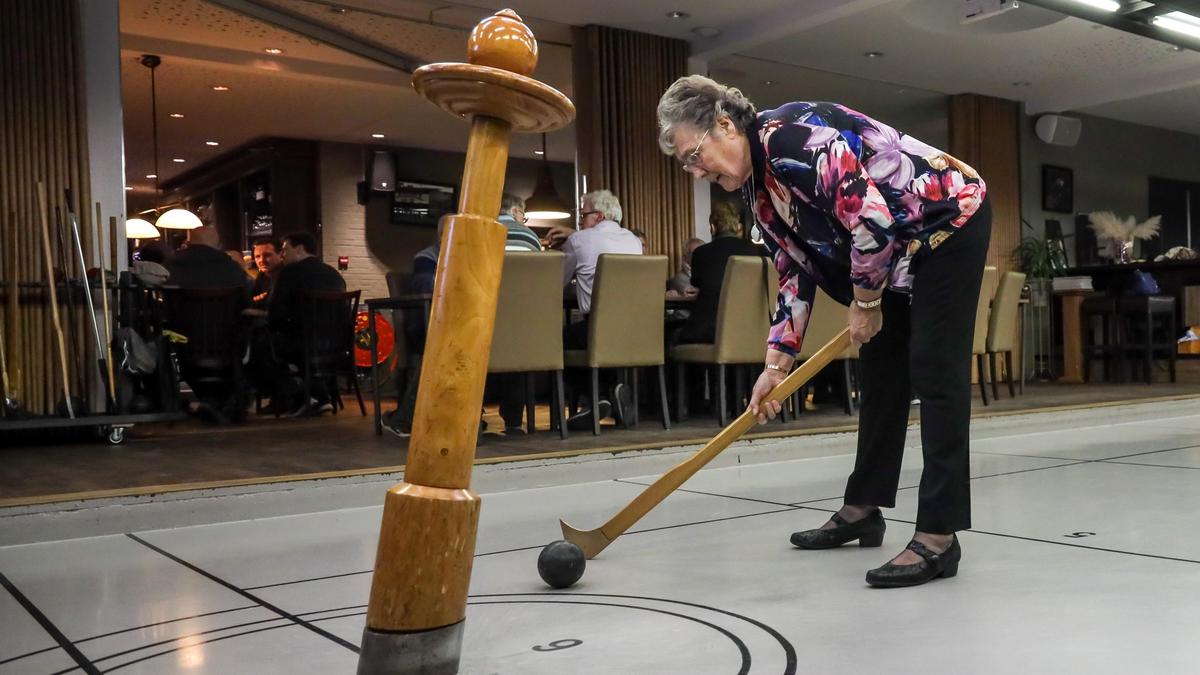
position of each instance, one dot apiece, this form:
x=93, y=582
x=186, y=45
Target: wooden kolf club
x=427, y=537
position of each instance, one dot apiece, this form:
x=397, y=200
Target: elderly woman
x=897, y=230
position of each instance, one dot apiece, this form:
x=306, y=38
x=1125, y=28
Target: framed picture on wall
x=422, y=203
x=1058, y=189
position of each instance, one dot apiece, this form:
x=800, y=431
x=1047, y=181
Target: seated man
x=269, y=262
x=202, y=264
x=302, y=272
x=512, y=216
x=680, y=285
x=599, y=232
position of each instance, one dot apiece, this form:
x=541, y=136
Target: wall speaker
x=383, y=171
x=1058, y=130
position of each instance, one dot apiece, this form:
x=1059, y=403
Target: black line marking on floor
x=48, y=626
x=1158, y=466
x=301, y=581
x=788, y=649
x=245, y=594
x=130, y=630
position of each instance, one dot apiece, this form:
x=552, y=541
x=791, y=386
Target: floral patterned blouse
x=844, y=200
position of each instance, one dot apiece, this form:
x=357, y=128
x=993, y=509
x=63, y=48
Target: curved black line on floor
x=47, y=625
x=788, y=650
x=743, y=650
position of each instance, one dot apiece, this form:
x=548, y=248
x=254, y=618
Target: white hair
x=606, y=203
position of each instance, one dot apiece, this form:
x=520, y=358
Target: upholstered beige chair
x=987, y=291
x=1002, y=327
x=744, y=312
x=528, y=334
x=626, y=324
x=827, y=319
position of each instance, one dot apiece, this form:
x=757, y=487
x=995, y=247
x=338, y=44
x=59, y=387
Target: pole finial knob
x=503, y=41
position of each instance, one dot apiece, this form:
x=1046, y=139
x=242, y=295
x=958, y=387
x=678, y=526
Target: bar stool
x=1108, y=348
x=1148, y=327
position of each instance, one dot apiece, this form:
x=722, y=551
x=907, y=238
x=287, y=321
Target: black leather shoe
x=867, y=530
x=934, y=565
x=622, y=405
x=582, y=420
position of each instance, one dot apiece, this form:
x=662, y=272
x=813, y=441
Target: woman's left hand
x=864, y=323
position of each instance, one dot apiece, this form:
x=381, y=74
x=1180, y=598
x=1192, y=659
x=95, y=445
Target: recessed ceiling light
x=179, y=160
x=151, y=175
x=676, y=14
x=376, y=135
x=220, y=87
x=337, y=10
x=211, y=143
x=706, y=31
x=769, y=83
x=538, y=152
x=873, y=55
x=128, y=187
x=273, y=50
x=177, y=116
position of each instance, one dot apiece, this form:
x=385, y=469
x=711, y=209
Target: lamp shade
x=178, y=219
x=544, y=203
x=136, y=228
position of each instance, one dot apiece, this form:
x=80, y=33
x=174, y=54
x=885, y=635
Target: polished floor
x=1084, y=558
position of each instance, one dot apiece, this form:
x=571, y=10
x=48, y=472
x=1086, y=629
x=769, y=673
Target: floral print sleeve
x=851, y=202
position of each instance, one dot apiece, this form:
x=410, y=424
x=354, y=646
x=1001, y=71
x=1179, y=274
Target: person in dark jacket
x=202, y=264
x=708, y=271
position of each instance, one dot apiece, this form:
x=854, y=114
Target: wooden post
x=427, y=537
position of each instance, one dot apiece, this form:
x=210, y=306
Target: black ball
x=561, y=563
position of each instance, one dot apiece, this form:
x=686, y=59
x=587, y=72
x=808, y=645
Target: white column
x=701, y=189
x=100, y=36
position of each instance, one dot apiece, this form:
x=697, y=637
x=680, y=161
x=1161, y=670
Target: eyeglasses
x=585, y=214
x=693, y=160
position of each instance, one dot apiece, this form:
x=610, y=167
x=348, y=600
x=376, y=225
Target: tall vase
x=1125, y=251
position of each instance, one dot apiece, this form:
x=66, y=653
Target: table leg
x=1072, y=335
x=374, y=368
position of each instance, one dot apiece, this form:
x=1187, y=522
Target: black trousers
x=924, y=348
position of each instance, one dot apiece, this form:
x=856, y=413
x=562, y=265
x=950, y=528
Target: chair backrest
x=529, y=314
x=745, y=308
x=628, y=303
x=396, y=283
x=210, y=319
x=328, y=324
x=1002, y=326
x=827, y=318
x=987, y=290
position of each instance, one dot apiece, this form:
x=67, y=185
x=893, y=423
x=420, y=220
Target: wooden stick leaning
x=102, y=262
x=594, y=541
x=62, y=345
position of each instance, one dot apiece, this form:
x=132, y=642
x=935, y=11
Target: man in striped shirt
x=512, y=216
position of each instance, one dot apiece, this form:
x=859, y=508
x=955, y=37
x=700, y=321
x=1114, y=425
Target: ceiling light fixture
x=151, y=175
x=177, y=116
x=544, y=203
x=220, y=87
x=539, y=152
x=873, y=55
x=706, y=31
x=376, y=135
x=1180, y=22
x=676, y=14
x=151, y=61
x=1106, y=5
x=273, y=50
x=769, y=83
x=128, y=188
x=179, y=160
x=211, y=143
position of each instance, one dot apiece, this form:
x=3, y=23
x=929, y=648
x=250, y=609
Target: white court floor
x=1084, y=558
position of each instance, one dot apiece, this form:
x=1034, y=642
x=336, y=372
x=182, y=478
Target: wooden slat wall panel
x=43, y=137
x=619, y=77
x=984, y=133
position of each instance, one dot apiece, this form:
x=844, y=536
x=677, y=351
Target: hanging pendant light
x=136, y=228
x=544, y=203
x=178, y=219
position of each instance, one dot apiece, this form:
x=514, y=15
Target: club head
x=591, y=541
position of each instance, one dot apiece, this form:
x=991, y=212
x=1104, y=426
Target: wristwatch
x=869, y=304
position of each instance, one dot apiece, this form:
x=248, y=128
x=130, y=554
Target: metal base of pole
x=428, y=652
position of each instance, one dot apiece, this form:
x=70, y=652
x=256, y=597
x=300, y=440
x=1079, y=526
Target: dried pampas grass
x=1107, y=225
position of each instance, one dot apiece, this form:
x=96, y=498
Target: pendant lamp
x=544, y=203
x=136, y=228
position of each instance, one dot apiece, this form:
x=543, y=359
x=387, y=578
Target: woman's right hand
x=759, y=406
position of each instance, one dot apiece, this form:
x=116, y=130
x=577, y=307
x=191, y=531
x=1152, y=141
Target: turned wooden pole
x=427, y=537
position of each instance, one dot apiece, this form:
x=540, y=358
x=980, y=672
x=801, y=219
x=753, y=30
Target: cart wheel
x=116, y=435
